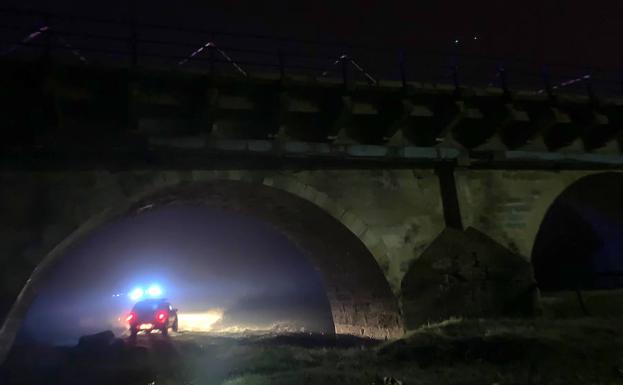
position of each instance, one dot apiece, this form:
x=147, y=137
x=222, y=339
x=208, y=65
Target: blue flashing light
x=136, y=294
x=154, y=291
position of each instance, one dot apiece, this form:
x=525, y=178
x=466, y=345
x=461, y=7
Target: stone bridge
x=415, y=204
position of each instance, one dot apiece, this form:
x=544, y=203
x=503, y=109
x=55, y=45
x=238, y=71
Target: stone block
x=96, y=342
x=354, y=224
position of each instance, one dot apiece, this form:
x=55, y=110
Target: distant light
x=456, y=41
x=475, y=37
x=154, y=291
x=136, y=293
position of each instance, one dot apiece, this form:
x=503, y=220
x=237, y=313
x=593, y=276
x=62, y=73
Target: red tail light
x=161, y=316
x=131, y=317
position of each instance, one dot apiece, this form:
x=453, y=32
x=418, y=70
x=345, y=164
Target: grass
x=453, y=352
x=583, y=351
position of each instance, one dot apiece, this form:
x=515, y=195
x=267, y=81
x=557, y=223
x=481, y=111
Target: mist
x=221, y=269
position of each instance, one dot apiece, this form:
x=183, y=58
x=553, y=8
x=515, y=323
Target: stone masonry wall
x=509, y=206
x=395, y=213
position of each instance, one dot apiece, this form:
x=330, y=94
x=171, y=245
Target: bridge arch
x=578, y=241
x=360, y=297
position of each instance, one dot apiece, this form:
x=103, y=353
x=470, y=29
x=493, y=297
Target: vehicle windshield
x=146, y=308
x=150, y=306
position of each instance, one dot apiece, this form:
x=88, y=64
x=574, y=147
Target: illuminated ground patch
x=199, y=322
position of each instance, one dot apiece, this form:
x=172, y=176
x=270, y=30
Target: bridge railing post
x=403, y=70
x=503, y=80
x=455, y=78
x=547, y=82
x=344, y=59
x=282, y=64
x=47, y=45
x=590, y=91
x=211, y=58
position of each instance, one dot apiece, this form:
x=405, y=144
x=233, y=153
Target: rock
x=98, y=341
x=117, y=345
x=135, y=355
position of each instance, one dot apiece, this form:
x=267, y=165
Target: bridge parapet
x=99, y=109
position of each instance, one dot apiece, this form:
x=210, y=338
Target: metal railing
x=29, y=35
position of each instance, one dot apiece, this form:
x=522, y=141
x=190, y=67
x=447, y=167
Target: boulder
x=95, y=342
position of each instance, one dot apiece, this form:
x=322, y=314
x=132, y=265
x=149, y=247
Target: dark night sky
x=575, y=32
x=204, y=259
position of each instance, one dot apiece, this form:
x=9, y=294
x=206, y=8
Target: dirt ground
x=580, y=351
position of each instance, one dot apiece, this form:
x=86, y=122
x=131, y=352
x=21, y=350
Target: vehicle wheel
x=175, y=326
x=165, y=331
x=133, y=332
